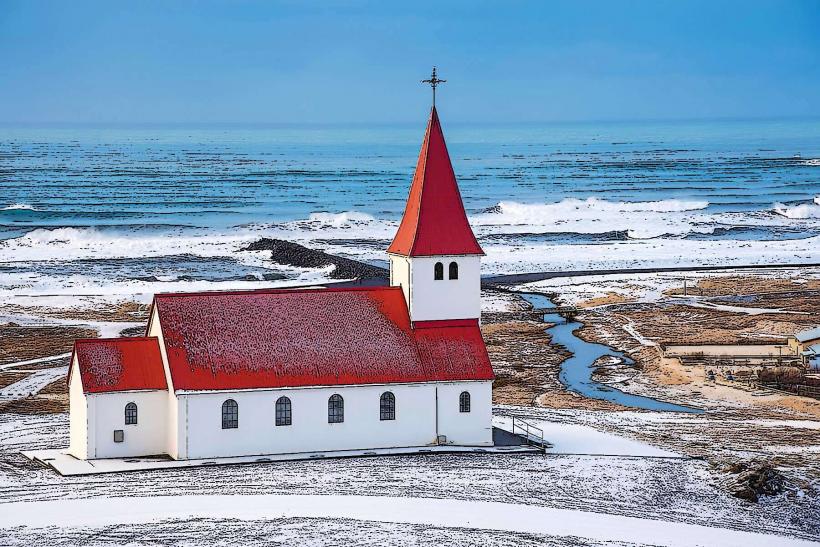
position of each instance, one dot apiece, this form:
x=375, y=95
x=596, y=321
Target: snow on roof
x=290, y=338
x=119, y=364
x=806, y=335
x=434, y=221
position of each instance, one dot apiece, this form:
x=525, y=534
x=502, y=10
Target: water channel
x=576, y=372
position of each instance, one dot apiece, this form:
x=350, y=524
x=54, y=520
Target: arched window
x=131, y=414
x=230, y=414
x=335, y=409
x=283, y=415
x=438, y=271
x=387, y=406
x=453, y=270
x=464, y=402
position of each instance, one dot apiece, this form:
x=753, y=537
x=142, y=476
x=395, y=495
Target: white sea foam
x=640, y=220
x=647, y=254
x=18, y=207
x=813, y=162
x=364, y=236
x=338, y=220
x=802, y=211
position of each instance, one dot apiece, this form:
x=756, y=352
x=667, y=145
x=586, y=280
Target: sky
x=293, y=62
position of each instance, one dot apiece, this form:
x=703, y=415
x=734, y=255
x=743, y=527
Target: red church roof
x=434, y=221
x=119, y=364
x=311, y=337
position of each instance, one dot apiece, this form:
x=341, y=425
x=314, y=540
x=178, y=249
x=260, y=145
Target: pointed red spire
x=434, y=221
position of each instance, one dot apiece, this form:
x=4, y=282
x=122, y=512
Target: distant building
x=806, y=344
x=223, y=374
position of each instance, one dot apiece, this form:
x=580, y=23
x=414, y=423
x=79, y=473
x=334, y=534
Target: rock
x=756, y=480
x=273, y=276
x=293, y=254
x=247, y=277
x=133, y=331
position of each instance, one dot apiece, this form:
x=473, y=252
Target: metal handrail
x=537, y=440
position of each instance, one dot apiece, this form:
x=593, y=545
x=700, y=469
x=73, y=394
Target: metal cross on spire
x=434, y=81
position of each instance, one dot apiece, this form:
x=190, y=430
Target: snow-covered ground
x=31, y=384
x=441, y=513
x=648, y=287
x=558, y=499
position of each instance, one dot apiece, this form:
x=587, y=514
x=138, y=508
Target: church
x=289, y=371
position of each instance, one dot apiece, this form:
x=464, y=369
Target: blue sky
x=337, y=62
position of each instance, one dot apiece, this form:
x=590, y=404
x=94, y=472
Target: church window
x=283, y=414
x=230, y=414
x=335, y=409
x=464, y=402
x=438, y=271
x=131, y=414
x=387, y=406
x=453, y=270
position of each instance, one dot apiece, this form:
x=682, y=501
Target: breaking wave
x=341, y=219
x=18, y=207
x=639, y=220
x=798, y=212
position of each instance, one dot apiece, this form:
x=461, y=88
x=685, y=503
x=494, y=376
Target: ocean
x=129, y=211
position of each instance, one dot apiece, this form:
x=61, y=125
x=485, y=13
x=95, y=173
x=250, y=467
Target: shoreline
x=531, y=277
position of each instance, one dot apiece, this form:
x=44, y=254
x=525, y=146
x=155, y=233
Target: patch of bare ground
x=51, y=399
x=796, y=295
x=36, y=404
x=57, y=387
x=117, y=312
x=8, y=377
x=609, y=298
x=741, y=285
x=21, y=343
x=675, y=324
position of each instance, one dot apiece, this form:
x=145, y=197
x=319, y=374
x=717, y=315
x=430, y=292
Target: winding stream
x=576, y=372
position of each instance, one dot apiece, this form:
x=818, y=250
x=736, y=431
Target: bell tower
x=435, y=257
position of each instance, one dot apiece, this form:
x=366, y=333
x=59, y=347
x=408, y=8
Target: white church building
x=278, y=371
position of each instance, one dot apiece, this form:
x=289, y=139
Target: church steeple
x=434, y=221
x=435, y=257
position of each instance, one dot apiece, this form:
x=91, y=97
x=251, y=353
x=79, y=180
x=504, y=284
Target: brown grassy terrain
x=609, y=298
x=35, y=405
x=8, y=377
x=57, y=387
x=747, y=285
x=21, y=343
x=677, y=324
x=120, y=312
x=526, y=363
x=51, y=399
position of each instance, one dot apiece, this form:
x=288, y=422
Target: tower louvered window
x=438, y=271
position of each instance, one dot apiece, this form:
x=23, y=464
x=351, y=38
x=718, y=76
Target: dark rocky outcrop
x=753, y=481
x=293, y=254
